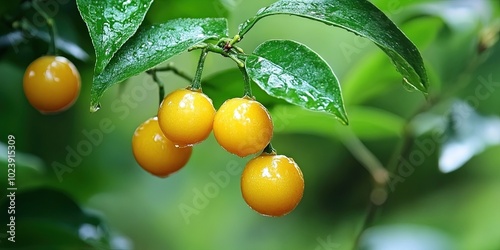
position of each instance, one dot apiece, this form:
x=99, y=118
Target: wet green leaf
x=153, y=45
x=379, y=76
x=363, y=19
x=229, y=84
x=293, y=72
x=111, y=23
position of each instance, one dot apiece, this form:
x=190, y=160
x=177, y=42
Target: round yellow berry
x=155, y=153
x=243, y=126
x=51, y=84
x=186, y=117
x=272, y=185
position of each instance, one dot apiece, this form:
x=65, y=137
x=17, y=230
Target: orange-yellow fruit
x=51, y=84
x=155, y=153
x=186, y=117
x=272, y=185
x=243, y=126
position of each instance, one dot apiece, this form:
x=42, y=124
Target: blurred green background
x=99, y=198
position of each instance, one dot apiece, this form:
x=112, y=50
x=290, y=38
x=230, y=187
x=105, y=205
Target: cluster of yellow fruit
x=271, y=184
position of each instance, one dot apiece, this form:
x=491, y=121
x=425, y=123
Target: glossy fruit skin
x=272, y=185
x=243, y=126
x=186, y=117
x=51, y=84
x=155, y=153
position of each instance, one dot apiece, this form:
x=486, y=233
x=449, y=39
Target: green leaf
x=377, y=76
x=111, y=23
x=362, y=18
x=153, y=45
x=58, y=224
x=293, y=72
x=229, y=84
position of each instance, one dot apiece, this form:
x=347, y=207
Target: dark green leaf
x=378, y=77
x=362, y=18
x=229, y=84
x=153, y=45
x=293, y=72
x=49, y=219
x=111, y=23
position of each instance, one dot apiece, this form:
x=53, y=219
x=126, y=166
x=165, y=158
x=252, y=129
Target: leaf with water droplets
x=111, y=23
x=291, y=71
x=152, y=45
x=362, y=18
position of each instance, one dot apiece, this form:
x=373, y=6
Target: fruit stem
x=52, y=27
x=175, y=70
x=234, y=41
x=196, y=85
x=157, y=80
x=247, y=83
x=269, y=149
x=378, y=172
x=235, y=57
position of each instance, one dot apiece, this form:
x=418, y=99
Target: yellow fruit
x=272, y=185
x=186, y=117
x=155, y=153
x=51, y=84
x=243, y=126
